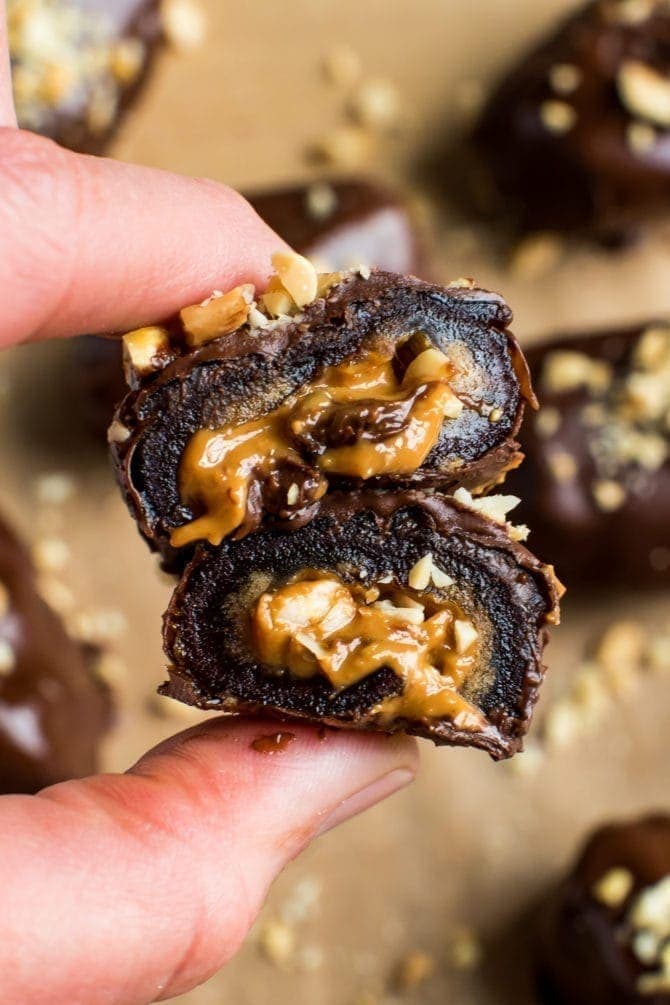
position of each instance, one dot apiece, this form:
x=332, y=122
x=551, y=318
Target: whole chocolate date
x=603, y=932
x=575, y=138
x=53, y=709
x=596, y=481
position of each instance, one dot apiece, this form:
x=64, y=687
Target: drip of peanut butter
x=359, y=419
x=316, y=624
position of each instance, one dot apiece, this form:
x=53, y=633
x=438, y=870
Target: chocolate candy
x=388, y=611
x=77, y=65
x=576, y=137
x=53, y=710
x=238, y=416
x=343, y=224
x=278, y=445
x=604, y=935
x=596, y=481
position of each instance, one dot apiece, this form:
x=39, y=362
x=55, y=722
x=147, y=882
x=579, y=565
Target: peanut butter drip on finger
x=317, y=624
x=360, y=418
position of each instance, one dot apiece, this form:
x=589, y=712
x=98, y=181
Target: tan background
x=471, y=843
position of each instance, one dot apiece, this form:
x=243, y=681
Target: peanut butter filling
x=359, y=419
x=316, y=624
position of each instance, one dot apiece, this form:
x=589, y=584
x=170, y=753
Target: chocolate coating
x=558, y=482
x=77, y=65
x=584, y=954
x=562, y=149
x=249, y=373
x=53, y=710
x=498, y=583
x=340, y=224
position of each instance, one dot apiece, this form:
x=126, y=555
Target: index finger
x=93, y=245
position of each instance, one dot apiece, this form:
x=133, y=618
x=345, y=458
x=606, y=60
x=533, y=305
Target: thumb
x=134, y=888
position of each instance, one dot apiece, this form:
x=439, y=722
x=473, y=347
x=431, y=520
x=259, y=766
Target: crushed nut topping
x=218, y=315
x=414, y=969
x=145, y=350
x=465, y=634
x=547, y=422
x=117, y=432
x=614, y=888
x=644, y=92
x=647, y=930
x=424, y=571
x=50, y=554
x=625, y=650
x=277, y=942
x=565, y=78
x=317, y=624
x=641, y=137
x=562, y=465
x=184, y=23
x=608, y=495
x=55, y=488
x=346, y=147
x=536, y=255
x=67, y=55
x=494, y=507
x=465, y=951
x=557, y=116
x=627, y=419
x=376, y=104
x=628, y=11
x=321, y=200
x=297, y=275
x=56, y=594
x=566, y=370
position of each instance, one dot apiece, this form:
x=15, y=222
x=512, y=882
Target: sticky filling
x=317, y=624
x=362, y=418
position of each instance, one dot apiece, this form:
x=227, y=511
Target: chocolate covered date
x=246, y=409
x=388, y=611
x=77, y=65
x=53, y=710
x=596, y=481
x=576, y=138
x=605, y=932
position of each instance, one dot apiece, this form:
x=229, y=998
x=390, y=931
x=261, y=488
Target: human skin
x=125, y=889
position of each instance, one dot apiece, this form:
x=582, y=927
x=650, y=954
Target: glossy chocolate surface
x=587, y=535
x=569, y=147
x=53, y=710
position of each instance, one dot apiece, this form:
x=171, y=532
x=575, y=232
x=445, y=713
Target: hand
x=133, y=888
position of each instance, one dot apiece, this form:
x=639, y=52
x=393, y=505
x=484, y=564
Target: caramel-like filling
x=359, y=419
x=318, y=624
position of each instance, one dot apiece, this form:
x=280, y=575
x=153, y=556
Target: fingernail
x=367, y=797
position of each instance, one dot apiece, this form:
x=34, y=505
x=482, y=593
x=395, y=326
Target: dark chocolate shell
x=365, y=537
x=253, y=371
